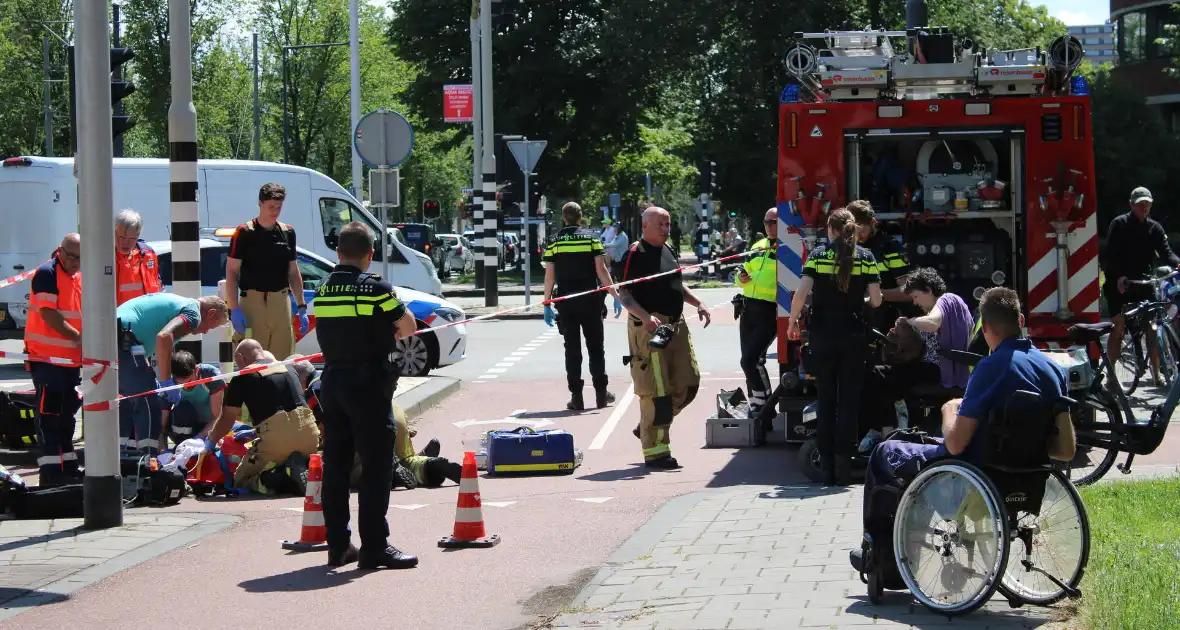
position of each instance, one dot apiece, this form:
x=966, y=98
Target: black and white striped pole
x=182, y=166
x=102, y=490
x=477, y=145
x=491, y=216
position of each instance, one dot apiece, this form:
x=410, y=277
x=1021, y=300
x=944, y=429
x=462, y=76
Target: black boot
x=433, y=448
x=389, y=558
x=666, y=462
x=602, y=397
x=576, y=403
x=636, y=433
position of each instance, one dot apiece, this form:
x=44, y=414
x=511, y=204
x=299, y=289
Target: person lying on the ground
x=199, y=406
x=429, y=470
x=283, y=422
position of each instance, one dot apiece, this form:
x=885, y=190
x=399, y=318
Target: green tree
x=23, y=25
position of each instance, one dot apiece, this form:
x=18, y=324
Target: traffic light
x=733, y=214
x=708, y=177
x=505, y=197
x=430, y=209
x=120, y=90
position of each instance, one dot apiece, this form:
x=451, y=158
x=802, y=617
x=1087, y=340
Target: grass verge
x=1133, y=579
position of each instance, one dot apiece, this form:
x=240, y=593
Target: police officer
x=841, y=274
x=758, y=324
x=136, y=265
x=576, y=263
x=665, y=378
x=359, y=319
x=54, y=330
x=262, y=277
x=892, y=265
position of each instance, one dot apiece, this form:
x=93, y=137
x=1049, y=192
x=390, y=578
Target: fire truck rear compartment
x=948, y=197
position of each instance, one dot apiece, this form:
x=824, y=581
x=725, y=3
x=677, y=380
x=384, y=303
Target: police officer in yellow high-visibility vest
x=759, y=319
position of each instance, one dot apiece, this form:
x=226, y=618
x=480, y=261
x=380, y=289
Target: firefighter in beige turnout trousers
x=665, y=375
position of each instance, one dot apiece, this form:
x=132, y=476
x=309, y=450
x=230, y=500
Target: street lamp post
x=286, y=118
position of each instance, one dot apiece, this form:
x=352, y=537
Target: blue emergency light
x=1078, y=86
x=790, y=94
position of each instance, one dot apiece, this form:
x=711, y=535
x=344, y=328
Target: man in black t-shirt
x=262, y=277
x=282, y=420
x=665, y=379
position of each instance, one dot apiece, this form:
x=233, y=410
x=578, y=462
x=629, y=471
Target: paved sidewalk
x=43, y=561
x=757, y=557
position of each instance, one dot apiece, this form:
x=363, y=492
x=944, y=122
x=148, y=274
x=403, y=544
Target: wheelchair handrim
x=987, y=582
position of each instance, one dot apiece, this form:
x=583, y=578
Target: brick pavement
x=757, y=557
x=43, y=561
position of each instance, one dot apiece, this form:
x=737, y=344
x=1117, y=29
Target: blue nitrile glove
x=549, y=315
x=210, y=447
x=303, y=322
x=238, y=319
x=172, y=396
x=618, y=308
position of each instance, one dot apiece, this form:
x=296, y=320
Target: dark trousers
x=140, y=417
x=887, y=384
x=838, y=364
x=185, y=421
x=757, y=328
x=577, y=318
x=57, y=405
x=358, y=419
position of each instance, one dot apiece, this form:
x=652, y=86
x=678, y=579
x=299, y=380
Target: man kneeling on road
x=1013, y=365
x=199, y=406
x=283, y=422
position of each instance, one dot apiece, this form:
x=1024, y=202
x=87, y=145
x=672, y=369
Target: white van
x=39, y=205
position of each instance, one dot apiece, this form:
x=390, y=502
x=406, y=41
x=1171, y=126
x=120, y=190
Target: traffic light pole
x=182, y=165
x=102, y=488
x=118, y=76
x=491, y=219
x=477, y=145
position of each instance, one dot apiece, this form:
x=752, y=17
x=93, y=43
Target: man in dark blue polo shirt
x=1013, y=365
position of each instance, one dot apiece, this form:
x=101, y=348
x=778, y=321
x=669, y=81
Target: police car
x=420, y=353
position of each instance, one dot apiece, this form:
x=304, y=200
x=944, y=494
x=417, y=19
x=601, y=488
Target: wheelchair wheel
x=950, y=538
x=1055, y=541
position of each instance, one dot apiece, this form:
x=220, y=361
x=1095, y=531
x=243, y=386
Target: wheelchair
x=956, y=527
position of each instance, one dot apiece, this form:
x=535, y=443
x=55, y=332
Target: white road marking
x=523, y=351
x=504, y=364
x=613, y=421
x=298, y=509
x=497, y=370
x=412, y=506
x=498, y=503
x=595, y=499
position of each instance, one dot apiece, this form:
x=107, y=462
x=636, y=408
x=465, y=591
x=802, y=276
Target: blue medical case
x=525, y=451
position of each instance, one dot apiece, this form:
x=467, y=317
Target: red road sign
x=457, y=103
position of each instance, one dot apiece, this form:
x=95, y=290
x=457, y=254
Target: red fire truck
x=980, y=162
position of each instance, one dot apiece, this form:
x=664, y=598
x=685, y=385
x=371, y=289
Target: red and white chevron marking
x=1083, y=272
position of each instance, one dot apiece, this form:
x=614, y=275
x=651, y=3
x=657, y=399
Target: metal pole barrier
x=182, y=166
x=527, y=225
x=491, y=215
x=477, y=147
x=102, y=504
x=354, y=69
x=48, y=96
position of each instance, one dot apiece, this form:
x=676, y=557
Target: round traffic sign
x=383, y=138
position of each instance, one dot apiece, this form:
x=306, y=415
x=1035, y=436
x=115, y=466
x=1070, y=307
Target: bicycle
x=1113, y=436
x=1149, y=340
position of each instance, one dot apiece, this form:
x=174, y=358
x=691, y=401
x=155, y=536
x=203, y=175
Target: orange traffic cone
x=469, y=530
x=314, y=535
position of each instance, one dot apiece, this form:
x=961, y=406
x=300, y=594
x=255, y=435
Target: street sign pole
x=477, y=143
x=102, y=489
x=383, y=139
x=527, y=153
x=491, y=216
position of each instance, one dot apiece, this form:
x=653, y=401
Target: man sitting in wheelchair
x=1013, y=365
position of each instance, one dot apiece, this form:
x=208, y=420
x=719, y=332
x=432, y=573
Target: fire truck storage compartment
x=969, y=182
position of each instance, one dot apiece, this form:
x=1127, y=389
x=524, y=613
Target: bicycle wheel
x=1094, y=455
x=1169, y=351
x=1055, y=540
x=1131, y=362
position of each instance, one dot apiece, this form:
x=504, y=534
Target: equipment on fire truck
x=1062, y=206
x=951, y=170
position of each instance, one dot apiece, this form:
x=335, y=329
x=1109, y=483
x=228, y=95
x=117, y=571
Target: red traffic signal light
x=430, y=209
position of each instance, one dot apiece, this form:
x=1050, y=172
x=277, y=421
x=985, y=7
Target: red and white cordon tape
x=92, y=370
x=20, y=277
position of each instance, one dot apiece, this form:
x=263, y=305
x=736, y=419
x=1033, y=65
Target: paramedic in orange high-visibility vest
x=136, y=263
x=54, y=329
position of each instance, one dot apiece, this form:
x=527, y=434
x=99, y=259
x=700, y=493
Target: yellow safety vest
x=763, y=272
